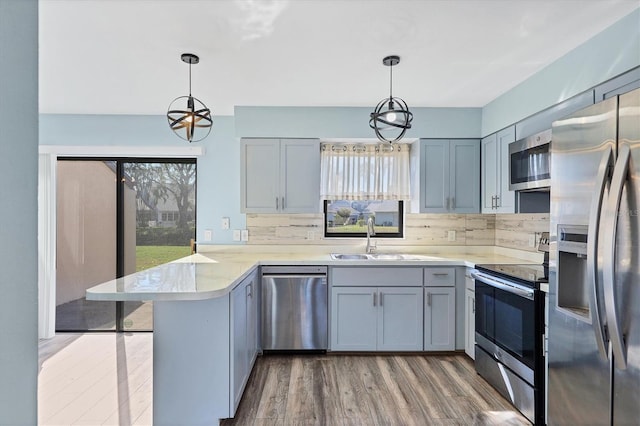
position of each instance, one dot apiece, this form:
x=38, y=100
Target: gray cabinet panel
x=464, y=161
x=353, y=319
x=259, y=176
x=496, y=197
x=300, y=176
x=489, y=173
x=543, y=119
x=435, y=176
x=623, y=83
x=377, y=276
x=400, y=313
x=280, y=176
x=449, y=176
x=439, y=319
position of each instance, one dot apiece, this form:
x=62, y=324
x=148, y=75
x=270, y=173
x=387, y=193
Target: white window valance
x=364, y=171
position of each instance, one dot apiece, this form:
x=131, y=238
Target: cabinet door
x=489, y=173
x=251, y=292
x=439, y=319
x=506, y=198
x=260, y=175
x=464, y=160
x=434, y=176
x=470, y=323
x=353, y=318
x=239, y=364
x=300, y=177
x=400, y=311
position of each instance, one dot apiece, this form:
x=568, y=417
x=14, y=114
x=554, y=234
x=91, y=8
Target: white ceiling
x=123, y=56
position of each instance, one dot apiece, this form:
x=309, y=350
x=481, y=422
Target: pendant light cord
x=189, y=78
x=391, y=82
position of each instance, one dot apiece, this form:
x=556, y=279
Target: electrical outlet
x=225, y=223
x=208, y=234
x=244, y=235
x=451, y=235
x=532, y=240
x=236, y=235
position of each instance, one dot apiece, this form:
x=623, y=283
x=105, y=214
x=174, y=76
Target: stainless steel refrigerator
x=594, y=298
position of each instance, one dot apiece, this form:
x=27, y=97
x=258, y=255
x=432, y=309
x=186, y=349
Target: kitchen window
x=362, y=181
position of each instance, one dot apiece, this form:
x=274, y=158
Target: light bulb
x=391, y=117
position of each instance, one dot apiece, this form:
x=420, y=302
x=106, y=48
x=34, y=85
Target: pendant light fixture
x=192, y=123
x=392, y=117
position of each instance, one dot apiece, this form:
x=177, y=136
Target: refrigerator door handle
x=592, y=252
x=611, y=215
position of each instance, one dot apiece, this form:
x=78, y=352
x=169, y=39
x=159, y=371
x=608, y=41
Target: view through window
x=345, y=218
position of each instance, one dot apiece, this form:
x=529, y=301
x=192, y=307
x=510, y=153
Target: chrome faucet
x=371, y=230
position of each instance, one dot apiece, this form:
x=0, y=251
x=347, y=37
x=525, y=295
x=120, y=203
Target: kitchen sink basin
x=342, y=256
x=380, y=256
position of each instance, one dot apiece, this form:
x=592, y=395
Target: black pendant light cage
x=391, y=118
x=194, y=123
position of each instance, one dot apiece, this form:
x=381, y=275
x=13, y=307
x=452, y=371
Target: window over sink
x=345, y=218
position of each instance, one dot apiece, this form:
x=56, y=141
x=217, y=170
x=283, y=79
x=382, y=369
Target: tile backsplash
x=504, y=230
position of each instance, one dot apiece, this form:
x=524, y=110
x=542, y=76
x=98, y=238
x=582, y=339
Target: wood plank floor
x=106, y=379
x=370, y=390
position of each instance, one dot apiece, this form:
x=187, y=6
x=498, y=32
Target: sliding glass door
x=116, y=217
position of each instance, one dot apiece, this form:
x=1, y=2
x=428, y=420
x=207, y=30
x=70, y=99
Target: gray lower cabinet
x=376, y=318
x=470, y=323
x=244, y=335
x=449, y=176
x=439, y=318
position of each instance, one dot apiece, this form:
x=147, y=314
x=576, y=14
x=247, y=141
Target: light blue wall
x=18, y=211
x=351, y=122
x=218, y=170
x=606, y=55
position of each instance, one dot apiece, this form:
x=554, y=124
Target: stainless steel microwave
x=530, y=162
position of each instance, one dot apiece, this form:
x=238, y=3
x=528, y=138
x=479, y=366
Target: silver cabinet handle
x=473, y=307
x=277, y=205
x=440, y=274
x=592, y=252
x=612, y=214
x=282, y=203
x=428, y=298
x=381, y=294
x=493, y=202
x=497, y=201
x=374, y=298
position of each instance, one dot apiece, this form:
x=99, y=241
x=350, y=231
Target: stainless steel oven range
x=510, y=333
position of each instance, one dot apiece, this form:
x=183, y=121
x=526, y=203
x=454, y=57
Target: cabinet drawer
x=440, y=277
x=387, y=276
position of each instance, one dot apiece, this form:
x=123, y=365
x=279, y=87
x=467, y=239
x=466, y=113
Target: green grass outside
x=149, y=256
x=358, y=228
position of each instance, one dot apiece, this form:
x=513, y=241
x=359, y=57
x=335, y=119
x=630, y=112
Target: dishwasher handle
x=294, y=270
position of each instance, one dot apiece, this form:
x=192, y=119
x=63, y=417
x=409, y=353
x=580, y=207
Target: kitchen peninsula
x=202, y=352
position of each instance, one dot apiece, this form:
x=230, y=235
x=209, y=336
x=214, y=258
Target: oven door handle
x=504, y=285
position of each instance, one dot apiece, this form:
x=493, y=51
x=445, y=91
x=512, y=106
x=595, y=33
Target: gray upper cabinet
x=623, y=83
x=280, y=176
x=543, y=119
x=449, y=176
x=496, y=197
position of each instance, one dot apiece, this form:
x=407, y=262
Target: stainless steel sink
x=342, y=256
x=380, y=256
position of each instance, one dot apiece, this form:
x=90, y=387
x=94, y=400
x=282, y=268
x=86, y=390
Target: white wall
x=18, y=211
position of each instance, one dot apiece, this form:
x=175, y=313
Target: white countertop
x=216, y=270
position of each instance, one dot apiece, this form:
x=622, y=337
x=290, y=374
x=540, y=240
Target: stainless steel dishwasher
x=294, y=308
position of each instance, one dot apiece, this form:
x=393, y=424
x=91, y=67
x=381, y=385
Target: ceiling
x=123, y=57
